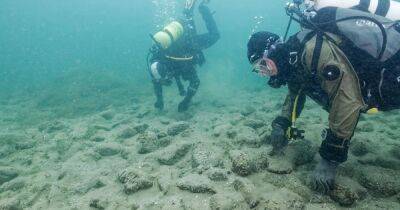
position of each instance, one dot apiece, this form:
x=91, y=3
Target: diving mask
x=264, y=66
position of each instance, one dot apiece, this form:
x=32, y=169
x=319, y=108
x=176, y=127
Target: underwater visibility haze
x=79, y=130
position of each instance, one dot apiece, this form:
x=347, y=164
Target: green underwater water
x=76, y=100
x=72, y=55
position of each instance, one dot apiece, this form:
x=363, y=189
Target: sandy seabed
x=215, y=156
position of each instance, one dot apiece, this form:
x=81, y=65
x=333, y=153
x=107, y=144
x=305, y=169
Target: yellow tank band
x=373, y=111
x=179, y=58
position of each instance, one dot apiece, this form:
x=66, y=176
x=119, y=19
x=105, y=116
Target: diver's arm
x=156, y=76
x=345, y=102
x=204, y=41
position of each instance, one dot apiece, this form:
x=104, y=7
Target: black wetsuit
x=180, y=60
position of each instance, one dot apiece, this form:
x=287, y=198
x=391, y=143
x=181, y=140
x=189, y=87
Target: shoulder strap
x=316, y=53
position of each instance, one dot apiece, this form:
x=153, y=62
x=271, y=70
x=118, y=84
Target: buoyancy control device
x=366, y=30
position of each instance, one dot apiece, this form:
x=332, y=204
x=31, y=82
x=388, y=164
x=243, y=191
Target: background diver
x=342, y=78
x=177, y=51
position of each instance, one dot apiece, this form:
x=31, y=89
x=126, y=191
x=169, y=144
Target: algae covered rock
x=51, y=127
x=395, y=151
x=173, y=153
x=206, y=156
x=134, y=180
x=177, y=128
x=150, y=142
x=282, y=199
x=254, y=123
x=344, y=196
x=301, y=152
x=247, y=190
x=196, y=183
x=98, y=204
x=248, y=137
x=13, y=185
x=10, y=204
x=248, y=110
x=382, y=182
x=11, y=142
x=108, y=149
x=359, y=148
x=241, y=163
x=228, y=201
x=221, y=130
x=107, y=115
x=217, y=174
x=7, y=174
x=165, y=182
x=141, y=127
x=127, y=133
x=245, y=163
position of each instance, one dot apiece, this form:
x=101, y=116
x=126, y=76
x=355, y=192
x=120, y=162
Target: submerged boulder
x=245, y=163
x=177, y=128
x=51, y=127
x=247, y=190
x=134, y=180
x=128, y=133
x=217, y=174
x=382, y=182
x=206, y=157
x=7, y=174
x=149, y=142
x=108, y=149
x=173, y=153
x=344, y=196
x=254, y=123
x=282, y=199
x=196, y=183
x=225, y=201
x=248, y=137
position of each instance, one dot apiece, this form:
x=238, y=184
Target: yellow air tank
x=170, y=34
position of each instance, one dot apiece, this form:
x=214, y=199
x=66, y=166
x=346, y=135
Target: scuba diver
x=344, y=59
x=177, y=51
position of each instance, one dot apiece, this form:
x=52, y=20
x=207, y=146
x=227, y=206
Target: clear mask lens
x=262, y=68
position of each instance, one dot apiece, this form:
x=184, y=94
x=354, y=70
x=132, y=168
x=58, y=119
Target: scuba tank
x=170, y=34
x=386, y=8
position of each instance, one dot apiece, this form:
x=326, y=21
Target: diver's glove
x=323, y=177
x=159, y=104
x=333, y=151
x=278, y=138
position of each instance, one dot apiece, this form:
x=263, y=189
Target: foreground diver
x=341, y=78
x=177, y=51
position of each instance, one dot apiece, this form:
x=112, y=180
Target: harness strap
x=316, y=53
x=169, y=34
x=179, y=58
x=383, y=7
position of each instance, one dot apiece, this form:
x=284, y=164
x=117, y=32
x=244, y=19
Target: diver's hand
x=203, y=9
x=189, y=5
x=278, y=140
x=323, y=177
x=159, y=105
